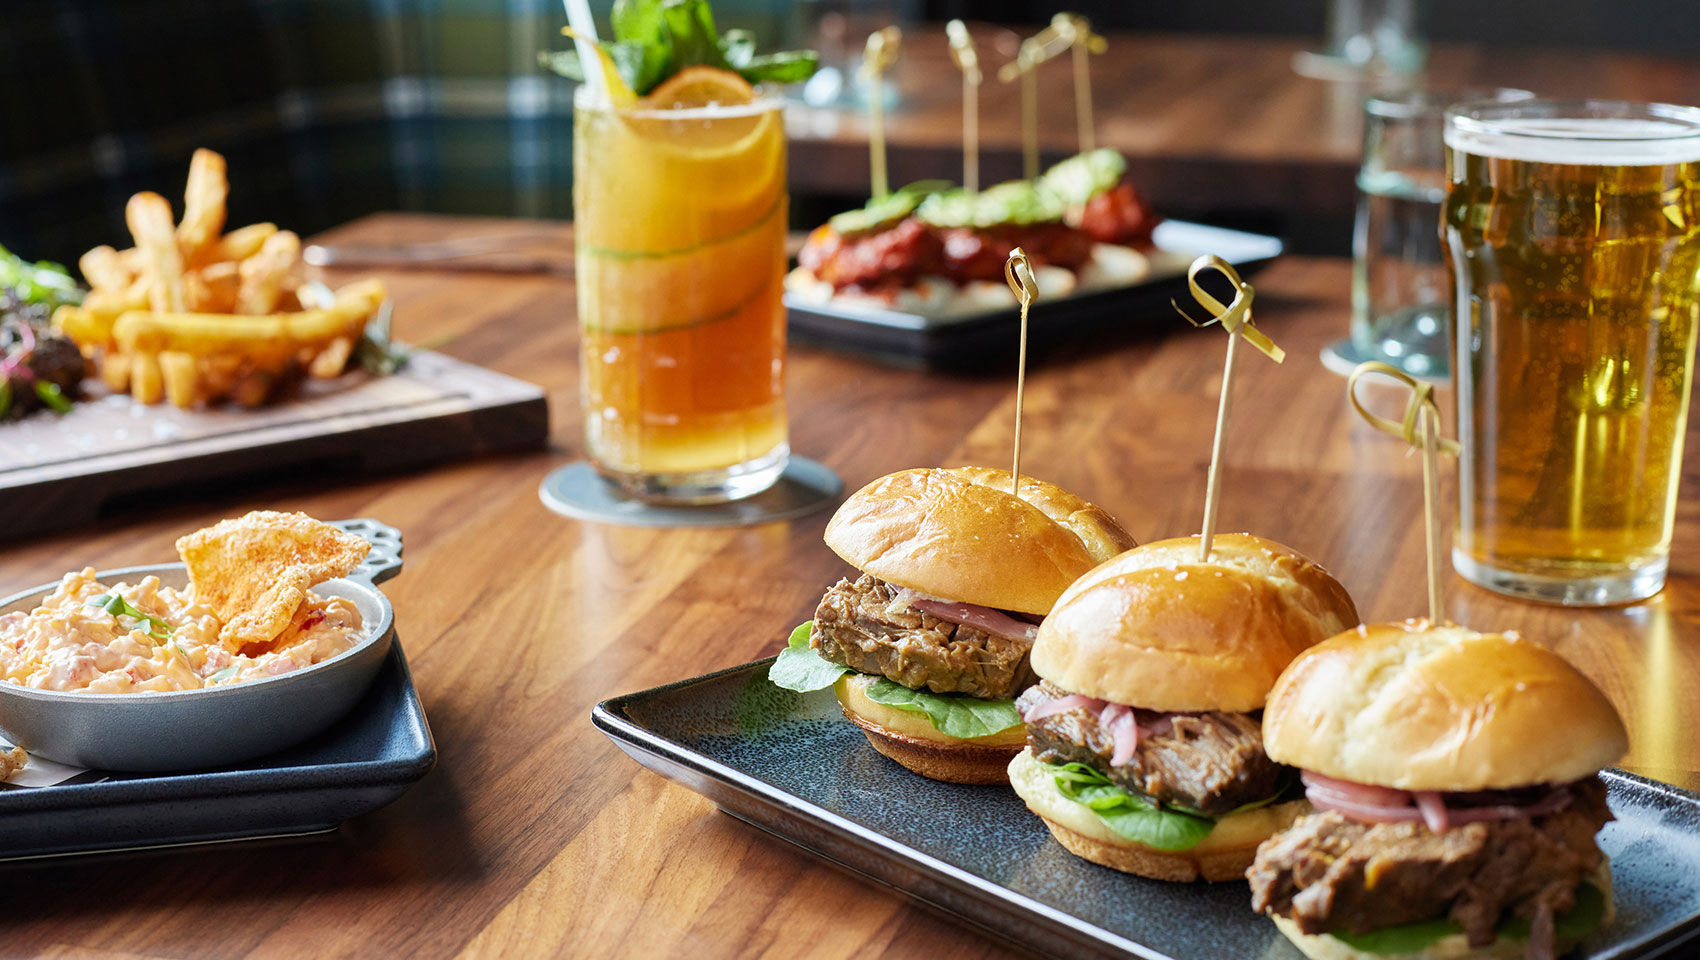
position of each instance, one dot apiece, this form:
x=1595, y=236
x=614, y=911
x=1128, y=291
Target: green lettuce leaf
x=1082, y=177
x=1406, y=938
x=952, y=714
x=887, y=210
x=1017, y=202
x=1582, y=919
x=40, y=282
x=800, y=668
x=1134, y=817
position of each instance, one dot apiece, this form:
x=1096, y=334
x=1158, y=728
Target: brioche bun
x=911, y=739
x=1421, y=707
x=1157, y=628
x=1321, y=946
x=1224, y=855
x=958, y=534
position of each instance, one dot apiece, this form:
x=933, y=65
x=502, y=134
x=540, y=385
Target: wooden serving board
x=60, y=471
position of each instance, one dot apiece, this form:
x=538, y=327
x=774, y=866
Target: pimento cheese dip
x=67, y=643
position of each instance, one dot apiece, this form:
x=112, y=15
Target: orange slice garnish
x=701, y=86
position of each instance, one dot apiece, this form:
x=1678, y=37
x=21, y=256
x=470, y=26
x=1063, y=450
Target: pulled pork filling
x=867, y=626
x=1212, y=763
x=1329, y=872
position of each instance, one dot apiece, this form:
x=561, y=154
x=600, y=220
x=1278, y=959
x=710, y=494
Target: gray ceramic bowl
x=192, y=729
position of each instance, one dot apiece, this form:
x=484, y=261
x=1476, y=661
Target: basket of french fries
x=194, y=315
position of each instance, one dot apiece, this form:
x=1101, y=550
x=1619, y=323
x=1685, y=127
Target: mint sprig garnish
x=655, y=39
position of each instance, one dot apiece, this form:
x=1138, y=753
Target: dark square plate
x=790, y=764
x=366, y=760
x=967, y=340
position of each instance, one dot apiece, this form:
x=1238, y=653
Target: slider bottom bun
x=911, y=739
x=1225, y=854
x=1321, y=946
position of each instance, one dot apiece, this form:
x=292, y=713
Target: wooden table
x=536, y=837
x=1213, y=125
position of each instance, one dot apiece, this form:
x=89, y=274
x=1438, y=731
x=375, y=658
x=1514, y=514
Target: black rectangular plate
x=790, y=764
x=913, y=340
x=366, y=760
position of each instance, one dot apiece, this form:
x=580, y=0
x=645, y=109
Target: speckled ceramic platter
x=790, y=764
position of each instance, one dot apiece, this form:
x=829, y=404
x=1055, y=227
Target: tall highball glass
x=679, y=217
x=1572, y=233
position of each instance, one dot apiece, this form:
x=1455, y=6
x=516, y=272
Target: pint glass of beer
x=1572, y=236
x=680, y=233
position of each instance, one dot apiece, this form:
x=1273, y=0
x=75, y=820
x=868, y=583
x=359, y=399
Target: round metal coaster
x=1342, y=356
x=578, y=491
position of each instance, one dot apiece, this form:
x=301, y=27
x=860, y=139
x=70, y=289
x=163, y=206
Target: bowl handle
x=384, y=561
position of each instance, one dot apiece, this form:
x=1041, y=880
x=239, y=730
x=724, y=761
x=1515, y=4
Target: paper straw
x=583, y=24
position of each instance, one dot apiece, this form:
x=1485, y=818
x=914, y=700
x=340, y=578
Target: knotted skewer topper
x=1018, y=273
x=1235, y=317
x=968, y=61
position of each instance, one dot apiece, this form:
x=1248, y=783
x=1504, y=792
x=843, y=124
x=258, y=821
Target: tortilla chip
x=254, y=571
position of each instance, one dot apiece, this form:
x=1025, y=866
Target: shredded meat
x=864, y=626
x=1331, y=873
x=1209, y=762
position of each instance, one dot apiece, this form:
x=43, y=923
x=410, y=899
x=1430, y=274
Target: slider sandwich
x=1455, y=777
x=1145, y=742
x=928, y=647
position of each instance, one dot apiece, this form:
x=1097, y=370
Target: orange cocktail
x=680, y=220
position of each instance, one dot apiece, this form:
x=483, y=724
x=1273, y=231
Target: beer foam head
x=1630, y=141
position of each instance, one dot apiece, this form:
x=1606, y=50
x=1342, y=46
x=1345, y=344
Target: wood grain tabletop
x=1209, y=122
x=534, y=836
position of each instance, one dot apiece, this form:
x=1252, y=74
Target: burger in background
x=928, y=647
x=1146, y=750
x=1455, y=776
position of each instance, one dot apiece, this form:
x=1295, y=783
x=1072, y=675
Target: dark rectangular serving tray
x=790, y=764
x=915, y=340
x=366, y=760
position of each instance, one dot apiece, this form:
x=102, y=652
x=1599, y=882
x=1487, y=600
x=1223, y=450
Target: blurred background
x=332, y=109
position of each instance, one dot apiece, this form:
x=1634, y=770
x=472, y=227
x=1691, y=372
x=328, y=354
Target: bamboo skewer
x=1235, y=317
x=880, y=53
x=1018, y=273
x=968, y=61
x=1422, y=416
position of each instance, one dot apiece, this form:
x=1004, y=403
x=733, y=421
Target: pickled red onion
x=1440, y=811
x=969, y=614
x=1433, y=809
x=1051, y=708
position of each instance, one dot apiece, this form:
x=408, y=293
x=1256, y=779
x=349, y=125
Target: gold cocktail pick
x=880, y=53
x=1235, y=317
x=1018, y=273
x=1078, y=31
x=1420, y=429
x=962, y=52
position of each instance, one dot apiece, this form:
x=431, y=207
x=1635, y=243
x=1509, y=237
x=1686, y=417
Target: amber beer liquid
x=680, y=223
x=1572, y=233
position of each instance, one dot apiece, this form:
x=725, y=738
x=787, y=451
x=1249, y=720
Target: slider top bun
x=1156, y=628
x=1420, y=707
x=957, y=533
